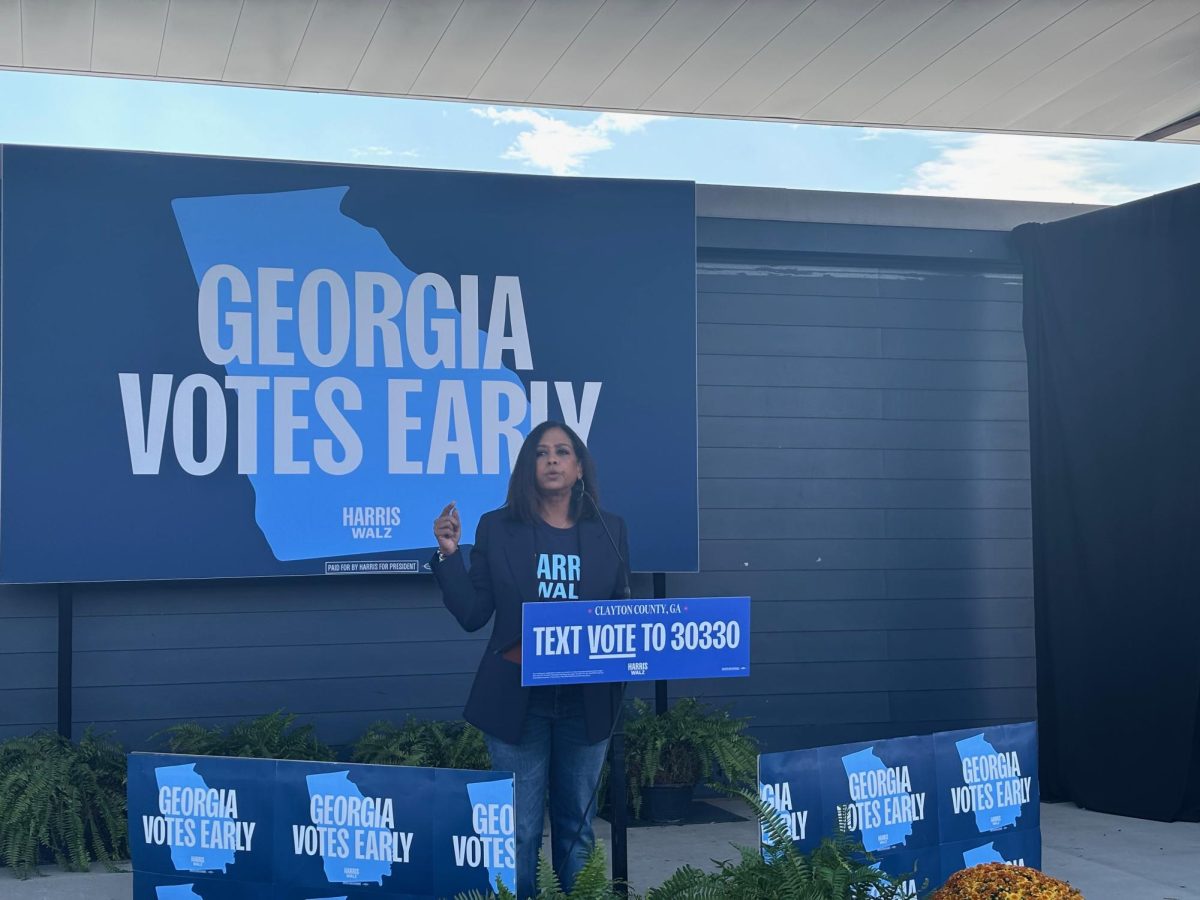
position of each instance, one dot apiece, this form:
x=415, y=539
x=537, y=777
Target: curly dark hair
x=523, y=501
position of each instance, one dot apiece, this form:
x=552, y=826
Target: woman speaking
x=549, y=541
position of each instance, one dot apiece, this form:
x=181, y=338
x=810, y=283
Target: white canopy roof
x=1100, y=68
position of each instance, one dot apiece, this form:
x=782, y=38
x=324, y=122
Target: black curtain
x=1112, y=332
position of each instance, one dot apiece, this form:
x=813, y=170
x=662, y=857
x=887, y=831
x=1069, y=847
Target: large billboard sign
x=226, y=368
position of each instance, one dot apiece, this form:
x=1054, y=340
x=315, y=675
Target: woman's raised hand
x=448, y=529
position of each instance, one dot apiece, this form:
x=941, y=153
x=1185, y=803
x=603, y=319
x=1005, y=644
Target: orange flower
x=997, y=881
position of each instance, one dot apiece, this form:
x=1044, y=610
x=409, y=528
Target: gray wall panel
x=785, y=614
x=333, y=727
x=959, y=523
x=859, y=312
x=28, y=660
x=859, y=584
x=38, y=669
x=924, y=343
x=785, y=279
x=812, y=237
x=28, y=709
x=954, y=643
x=766, y=710
x=214, y=665
x=909, y=524
x=789, y=340
x=969, y=464
x=774, y=647
x=312, y=595
x=1012, y=704
x=747, y=431
x=306, y=696
x=773, y=524
x=898, y=676
x=956, y=405
x=871, y=493
x=346, y=627
x=846, y=279
x=835, y=403
x=26, y=633
x=884, y=374
x=800, y=555
x=776, y=738
x=960, y=583
x=764, y=586
x=770, y=462
x=951, y=283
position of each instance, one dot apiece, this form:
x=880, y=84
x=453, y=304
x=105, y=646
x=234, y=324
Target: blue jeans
x=554, y=752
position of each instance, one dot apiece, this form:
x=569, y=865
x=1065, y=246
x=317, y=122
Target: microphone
x=583, y=492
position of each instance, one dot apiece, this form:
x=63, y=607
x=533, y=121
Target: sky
x=128, y=114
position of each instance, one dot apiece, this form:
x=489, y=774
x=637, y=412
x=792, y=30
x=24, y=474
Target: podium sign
x=586, y=642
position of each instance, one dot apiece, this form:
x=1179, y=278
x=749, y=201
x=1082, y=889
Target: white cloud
x=376, y=152
x=557, y=146
x=1019, y=167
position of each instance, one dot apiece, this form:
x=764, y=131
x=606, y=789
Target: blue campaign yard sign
x=928, y=805
x=166, y=887
x=884, y=791
x=201, y=818
x=351, y=828
x=212, y=827
x=1015, y=848
x=585, y=642
x=790, y=783
x=920, y=869
x=250, y=368
x=987, y=781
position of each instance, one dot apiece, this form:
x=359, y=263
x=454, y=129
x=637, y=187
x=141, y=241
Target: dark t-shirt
x=558, y=568
x=557, y=562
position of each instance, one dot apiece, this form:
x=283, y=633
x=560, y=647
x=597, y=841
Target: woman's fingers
x=447, y=528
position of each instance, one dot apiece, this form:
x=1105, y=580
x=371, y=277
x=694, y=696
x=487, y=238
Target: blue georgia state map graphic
x=195, y=858
x=340, y=869
x=878, y=834
x=302, y=515
x=496, y=793
x=188, y=892
x=999, y=814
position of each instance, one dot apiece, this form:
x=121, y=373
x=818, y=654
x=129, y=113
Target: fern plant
x=688, y=744
x=592, y=883
x=839, y=869
x=63, y=801
x=273, y=736
x=445, y=745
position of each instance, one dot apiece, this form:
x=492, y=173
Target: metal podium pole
x=617, y=790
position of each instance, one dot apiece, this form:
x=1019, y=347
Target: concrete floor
x=1106, y=857
x=1111, y=857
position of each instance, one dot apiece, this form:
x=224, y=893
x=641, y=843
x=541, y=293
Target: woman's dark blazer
x=503, y=576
